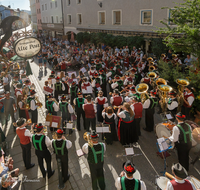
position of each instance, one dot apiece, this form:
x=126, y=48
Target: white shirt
x=95, y=109
x=27, y=133
x=85, y=147
x=88, y=89
x=146, y=104
x=94, y=82
x=118, y=183
x=170, y=187
x=33, y=105
x=70, y=109
x=173, y=105
x=190, y=99
x=68, y=144
x=85, y=101
x=47, y=140
x=114, y=85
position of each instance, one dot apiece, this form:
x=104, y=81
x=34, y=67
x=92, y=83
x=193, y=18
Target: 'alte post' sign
x=27, y=47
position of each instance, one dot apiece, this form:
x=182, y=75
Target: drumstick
x=169, y=175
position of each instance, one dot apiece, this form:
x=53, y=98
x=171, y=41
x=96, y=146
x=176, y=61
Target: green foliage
x=186, y=17
x=79, y=37
x=158, y=47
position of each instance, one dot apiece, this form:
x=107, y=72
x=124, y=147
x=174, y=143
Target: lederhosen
x=49, y=106
x=62, y=154
x=95, y=161
x=110, y=137
x=42, y=152
x=65, y=112
x=34, y=113
x=149, y=114
x=79, y=111
x=58, y=90
x=184, y=144
x=73, y=93
x=104, y=83
x=130, y=184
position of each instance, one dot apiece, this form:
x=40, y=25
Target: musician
x=128, y=78
x=73, y=91
x=126, y=179
x=118, y=83
x=47, y=90
x=61, y=146
x=126, y=127
x=78, y=102
x=66, y=110
x=25, y=143
x=118, y=68
x=188, y=101
x=109, y=118
x=180, y=181
x=41, y=144
x=100, y=101
x=18, y=90
x=33, y=106
x=126, y=62
x=104, y=81
x=92, y=72
x=137, y=107
x=59, y=87
x=86, y=87
x=51, y=105
x=96, y=84
x=182, y=136
x=95, y=160
x=116, y=99
x=172, y=104
x=149, y=106
x=90, y=111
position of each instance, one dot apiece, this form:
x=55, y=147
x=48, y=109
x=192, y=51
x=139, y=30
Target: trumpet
x=38, y=102
x=28, y=122
x=55, y=101
x=116, y=107
x=86, y=137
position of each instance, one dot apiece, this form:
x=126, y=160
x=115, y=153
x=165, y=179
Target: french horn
x=87, y=137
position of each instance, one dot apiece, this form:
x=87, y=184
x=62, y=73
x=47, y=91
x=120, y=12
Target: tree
x=158, y=47
x=186, y=19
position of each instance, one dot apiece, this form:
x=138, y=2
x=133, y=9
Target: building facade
x=5, y=11
x=33, y=15
x=51, y=16
x=38, y=12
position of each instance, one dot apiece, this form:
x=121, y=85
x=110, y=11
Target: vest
x=103, y=76
x=85, y=86
x=120, y=84
x=29, y=99
x=130, y=184
x=101, y=102
x=98, y=66
x=73, y=90
x=63, y=107
x=117, y=101
x=185, y=136
x=80, y=102
x=186, y=97
x=96, y=154
x=153, y=103
x=17, y=90
x=60, y=147
x=39, y=142
x=89, y=111
x=130, y=79
x=138, y=110
x=58, y=86
x=92, y=74
x=128, y=117
x=109, y=120
x=181, y=186
x=49, y=105
x=23, y=139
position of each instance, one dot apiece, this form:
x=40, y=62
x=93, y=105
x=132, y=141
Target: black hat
x=50, y=96
x=20, y=122
x=39, y=126
x=128, y=167
x=189, y=87
x=79, y=93
x=94, y=135
x=179, y=171
x=116, y=91
x=63, y=97
x=32, y=92
x=180, y=116
x=19, y=85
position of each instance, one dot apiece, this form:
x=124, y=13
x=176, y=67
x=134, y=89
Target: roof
x=7, y=8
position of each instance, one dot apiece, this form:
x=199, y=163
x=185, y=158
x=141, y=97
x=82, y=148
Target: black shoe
x=51, y=174
x=31, y=166
x=66, y=178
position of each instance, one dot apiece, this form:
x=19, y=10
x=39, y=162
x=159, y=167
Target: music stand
x=163, y=147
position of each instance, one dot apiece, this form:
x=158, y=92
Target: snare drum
x=161, y=182
x=164, y=130
x=137, y=175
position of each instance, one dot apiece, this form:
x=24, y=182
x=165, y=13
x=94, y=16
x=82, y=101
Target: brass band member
x=172, y=104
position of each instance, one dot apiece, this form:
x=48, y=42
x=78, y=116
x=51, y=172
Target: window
x=51, y=5
x=69, y=2
x=42, y=7
x=79, y=19
x=170, y=17
x=146, y=17
x=56, y=19
x=45, y=6
x=78, y=1
x=102, y=19
x=51, y=19
x=117, y=17
x=69, y=19
x=55, y=4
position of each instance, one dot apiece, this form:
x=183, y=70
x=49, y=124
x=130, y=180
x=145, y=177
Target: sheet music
x=99, y=129
x=69, y=125
x=129, y=151
x=105, y=129
x=47, y=123
x=169, y=116
x=83, y=69
x=54, y=124
x=80, y=152
x=162, y=144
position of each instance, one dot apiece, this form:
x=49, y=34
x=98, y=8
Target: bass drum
x=137, y=175
x=161, y=182
x=164, y=130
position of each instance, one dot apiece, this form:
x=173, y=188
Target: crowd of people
x=92, y=86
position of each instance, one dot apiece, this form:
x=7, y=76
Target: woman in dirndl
x=109, y=118
x=127, y=133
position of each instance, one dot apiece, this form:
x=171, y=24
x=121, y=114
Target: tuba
x=164, y=89
x=151, y=75
x=152, y=68
x=142, y=89
x=161, y=81
x=86, y=137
